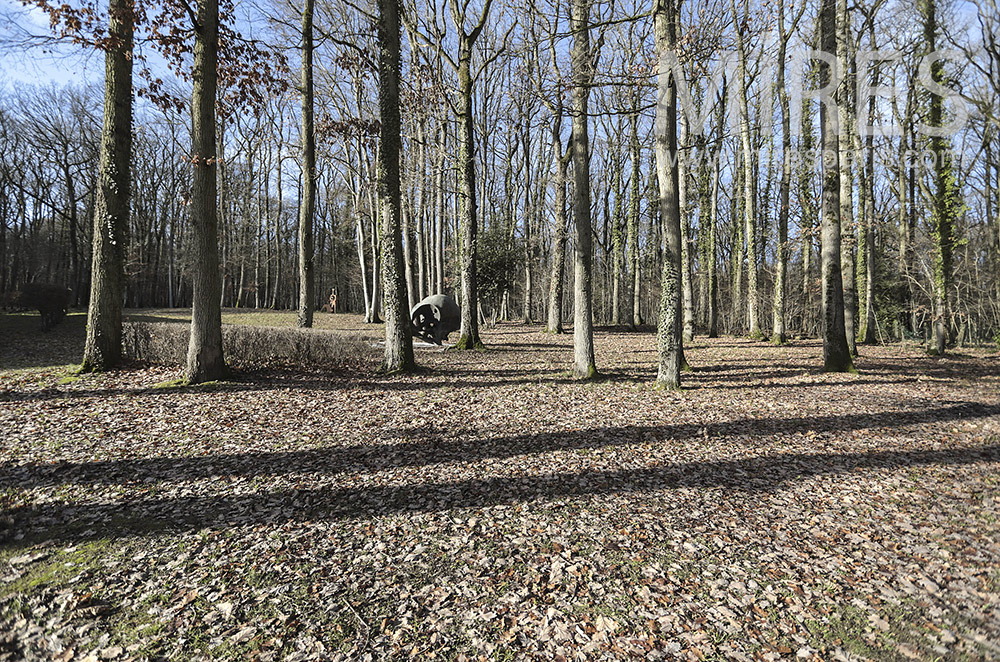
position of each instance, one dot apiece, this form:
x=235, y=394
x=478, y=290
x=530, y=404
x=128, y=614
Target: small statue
x=435, y=317
x=333, y=300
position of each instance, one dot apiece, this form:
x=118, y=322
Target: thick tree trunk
x=836, y=353
x=584, y=366
x=307, y=203
x=103, y=348
x=669, y=338
x=205, y=361
x=398, y=341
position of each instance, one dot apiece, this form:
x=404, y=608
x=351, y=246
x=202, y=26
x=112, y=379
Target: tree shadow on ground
x=764, y=474
x=431, y=444
x=949, y=366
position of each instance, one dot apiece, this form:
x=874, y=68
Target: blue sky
x=40, y=64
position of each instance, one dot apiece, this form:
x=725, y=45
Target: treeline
x=749, y=184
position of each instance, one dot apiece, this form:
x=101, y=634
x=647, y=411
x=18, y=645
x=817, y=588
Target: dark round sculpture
x=435, y=317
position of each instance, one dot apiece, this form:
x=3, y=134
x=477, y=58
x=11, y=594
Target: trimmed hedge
x=251, y=347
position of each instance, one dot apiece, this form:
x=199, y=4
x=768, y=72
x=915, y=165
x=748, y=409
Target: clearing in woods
x=493, y=507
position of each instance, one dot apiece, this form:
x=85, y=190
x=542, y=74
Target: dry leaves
x=492, y=507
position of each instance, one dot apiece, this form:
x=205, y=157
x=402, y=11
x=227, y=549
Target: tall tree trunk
x=361, y=243
x=836, y=353
x=205, y=361
x=847, y=129
x=778, y=335
x=617, y=238
x=409, y=226
x=376, y=249
x=749, y=182
x=946, y=194
x=559, y=240
x=808, y=210
x=529, y=245
x=584, y=366
x=635, y=153
x=398, y=341
x=738, y=253
x=711, y=266
x=307, y=203
x=868, y=335
x=103, y=348
x=421, y=213
x=903, y=230
x=866, y=256
x=669, y=338
x=687, y=268
x=439, y=225
x=469, y=334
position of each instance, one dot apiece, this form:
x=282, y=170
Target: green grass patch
x=54, y=569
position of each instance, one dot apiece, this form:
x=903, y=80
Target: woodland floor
x=492, y=507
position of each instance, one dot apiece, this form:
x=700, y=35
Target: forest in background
x=734, y=235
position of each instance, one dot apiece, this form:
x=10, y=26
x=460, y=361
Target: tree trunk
x=946, y=196
x=398, y=341
x=421, y=213
x=617, y=239
x=836, y=353
x=361, y=241
x=307, y=203
x=205, y=361
x=738, y=252
x=409, y=226
x=847, y=128
x=559, y=240
x=749, y=185
x=778, y=335
x=103, y=348
x=808, y=224
x=635, y=318
x=713, y=279
x=469, y=334
x=529, y=245
x=668, y=338
x=439, y=225
x=584, y=366
x=687, y=270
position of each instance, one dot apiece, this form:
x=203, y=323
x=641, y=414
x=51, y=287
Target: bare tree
x=836, y=353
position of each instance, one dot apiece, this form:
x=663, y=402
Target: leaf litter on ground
x=492, y=507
